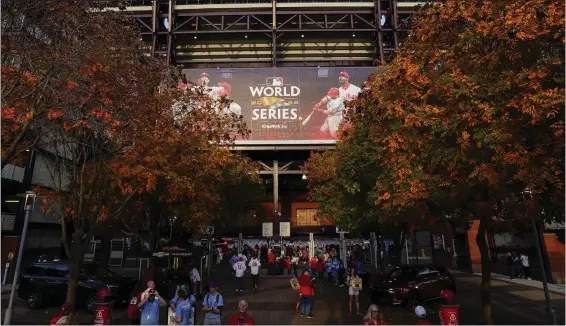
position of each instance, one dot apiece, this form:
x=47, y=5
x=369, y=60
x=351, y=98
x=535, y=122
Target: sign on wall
x=285, y=229
x=267, y=229
x=285, y=105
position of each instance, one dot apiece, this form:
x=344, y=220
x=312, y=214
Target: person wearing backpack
x=212, y=306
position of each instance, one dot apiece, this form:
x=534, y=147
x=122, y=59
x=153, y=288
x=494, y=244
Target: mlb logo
x=274, y=81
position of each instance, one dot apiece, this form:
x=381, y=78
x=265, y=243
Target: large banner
x=286, y=105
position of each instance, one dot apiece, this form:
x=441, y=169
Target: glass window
x=307, y=217
x=57, y=271
x=36, y=270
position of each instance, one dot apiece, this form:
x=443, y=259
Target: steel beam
x=274, y=33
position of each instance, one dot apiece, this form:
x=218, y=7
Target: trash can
x=103, y=307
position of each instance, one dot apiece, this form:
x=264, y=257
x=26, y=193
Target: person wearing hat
x=373, y=316
x=241, y=317
x=212, y=305
x=421, y=313
x=61, y=318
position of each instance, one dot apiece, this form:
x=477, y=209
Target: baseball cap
x=212, y=284
x=66, y=307
x=420, y=311
x=345, y=74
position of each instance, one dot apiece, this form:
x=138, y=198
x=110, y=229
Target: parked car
x=410, y=284
x=47, y=282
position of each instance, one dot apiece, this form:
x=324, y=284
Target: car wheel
x=34, y=299
x=411, y=300
x=89, y=304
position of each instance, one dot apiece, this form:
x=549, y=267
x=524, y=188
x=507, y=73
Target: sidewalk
x=6, y=288
x=554, y=288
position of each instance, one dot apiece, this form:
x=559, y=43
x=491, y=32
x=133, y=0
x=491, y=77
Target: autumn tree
x=469, y=115
x=80, y=87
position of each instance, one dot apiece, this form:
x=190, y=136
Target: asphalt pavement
x=274, y=303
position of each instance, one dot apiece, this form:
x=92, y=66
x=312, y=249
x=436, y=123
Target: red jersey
x=288, y=262
x=306, y=287
x=236, y=320
x=373, y=322
x=133, y=310
x=271, y=258
x=313, y=263
x=320, y=265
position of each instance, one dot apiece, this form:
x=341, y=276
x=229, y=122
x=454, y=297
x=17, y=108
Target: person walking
x=313, y=267
x=212, y=305
x=526, y=266
x=233, y=260
x=307, y=293
x=373, y=316
x=240, y=269
x=255, y=264
x=195, y=281
x=241, y=317
x=354, y=288
x=510, y=265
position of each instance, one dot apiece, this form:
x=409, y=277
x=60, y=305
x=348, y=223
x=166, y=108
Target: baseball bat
x=308, y=118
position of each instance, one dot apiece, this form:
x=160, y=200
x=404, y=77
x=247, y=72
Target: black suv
x=411, y=284
x=45, y=282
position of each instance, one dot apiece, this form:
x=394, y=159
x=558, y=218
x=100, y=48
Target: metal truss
x=264, y=34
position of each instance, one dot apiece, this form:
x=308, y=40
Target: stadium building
x=276, y=59
x=282, y=62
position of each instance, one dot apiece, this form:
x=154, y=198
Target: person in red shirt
x=421, y=313
x=314, y=267
x=271, y=263
x=61, y=318
x=242, y=317
x=307, y=293
x=373, y=316
x=320, y=268
x=135, y=298
x=288, y=265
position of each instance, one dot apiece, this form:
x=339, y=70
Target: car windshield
x=405, y=273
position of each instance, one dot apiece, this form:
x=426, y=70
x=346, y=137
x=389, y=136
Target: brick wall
x=555, y=251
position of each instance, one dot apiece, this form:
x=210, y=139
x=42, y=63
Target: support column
x=378, y=29
x=343, y=250
x=154, y=24
x=276, y=197
x=274, y=33
x=170, y=43
x=373, y=244
x=395, y=27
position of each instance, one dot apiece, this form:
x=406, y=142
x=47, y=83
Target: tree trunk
x=485, y=271
x=75, y=264
x=399, y=245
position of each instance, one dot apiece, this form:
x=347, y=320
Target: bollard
x=103, y=307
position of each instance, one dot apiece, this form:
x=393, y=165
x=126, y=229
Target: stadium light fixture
x=353, y=35
x=302, y=35
x=195, y=37
x=304, y=177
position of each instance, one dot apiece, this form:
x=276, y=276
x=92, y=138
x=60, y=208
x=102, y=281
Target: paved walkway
x=554, y=288
x=274, y=303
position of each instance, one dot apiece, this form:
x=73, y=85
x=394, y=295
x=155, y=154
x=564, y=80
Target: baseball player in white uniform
x=347, y=91
x=334, y=111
